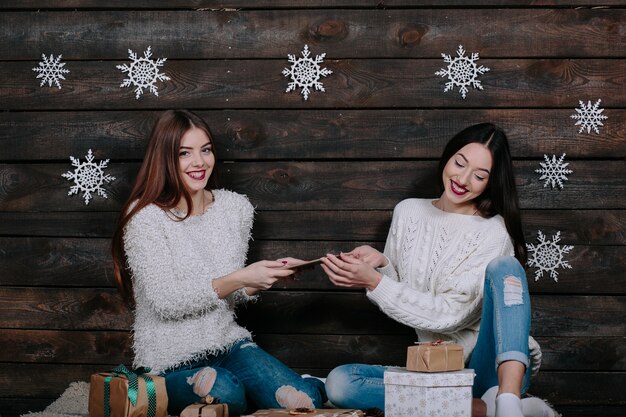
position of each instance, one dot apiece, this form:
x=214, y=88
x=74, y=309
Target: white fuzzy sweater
x=178, y=315
x=435, y=275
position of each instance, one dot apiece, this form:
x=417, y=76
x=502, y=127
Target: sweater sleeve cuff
x=388, y=270
x=241, y=296
x=384, y=290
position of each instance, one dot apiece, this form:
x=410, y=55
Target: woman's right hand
x=262, y=275
x=369, y=255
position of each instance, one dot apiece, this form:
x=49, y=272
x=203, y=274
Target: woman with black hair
x=452, y=270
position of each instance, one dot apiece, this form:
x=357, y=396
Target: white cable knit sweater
x=178, y=315
x=435, y=275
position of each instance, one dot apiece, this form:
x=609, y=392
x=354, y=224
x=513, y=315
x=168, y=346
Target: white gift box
x=420, y=394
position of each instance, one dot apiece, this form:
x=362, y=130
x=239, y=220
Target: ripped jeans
x=504, y=330
x=244, y=372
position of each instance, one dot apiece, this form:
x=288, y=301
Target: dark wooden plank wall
x=324, y=173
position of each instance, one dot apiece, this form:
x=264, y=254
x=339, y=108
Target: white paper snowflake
x=88, y=177
x=143, y=72
x=589, y=116
x=547, y=255
x=305, y=72
x=462, y=71
x=51, y=70
x=554, y=171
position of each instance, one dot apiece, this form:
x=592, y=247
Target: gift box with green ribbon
x=125, y=392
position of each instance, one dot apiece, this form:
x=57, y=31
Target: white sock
x=536, y=407
x=508, y=405
x=489, y=397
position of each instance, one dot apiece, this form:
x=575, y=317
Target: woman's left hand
x=347, y=271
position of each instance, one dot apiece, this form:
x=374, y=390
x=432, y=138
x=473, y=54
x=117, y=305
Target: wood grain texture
x=64, y=347
x=324, y=351
x=341, y=34
x=310, y=134
x=43, y=262
x=567, y=388
x=324, y=173
x=355, y=83
x=289, y=4
x=586, y=227
x=354, y=314
x=335, y=312
x=315, y=185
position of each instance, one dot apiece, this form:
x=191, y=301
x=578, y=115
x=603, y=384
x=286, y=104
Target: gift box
x=127, y=393
x=334, y=412
x=436, y=356
x=437, y=394
x=205, y=410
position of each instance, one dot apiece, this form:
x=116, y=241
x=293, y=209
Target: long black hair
x=500, y=196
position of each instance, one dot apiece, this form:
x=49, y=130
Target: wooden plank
x=568, y=388
x=335, y=312
x=56, y=262
x=289, y=4
x=595, y=270
x=582, y=354
x=586, y=227
x=56, y=308
x=421, y=33
x=42, y=380
x=75, y=224
x=75, y=347
x=324, y=351
x=357, y=83
x=86, y=263
x=310, y=134
x=315, y=185
x=578, y=227
x=579, y=388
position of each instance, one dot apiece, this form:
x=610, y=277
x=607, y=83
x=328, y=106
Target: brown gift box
x=331, y=412
x=120, y=405
x=205, y=410
x=435, y=356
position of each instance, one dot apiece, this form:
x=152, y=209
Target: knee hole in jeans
x=513, y=291
x=203, y=381
x=289, y=397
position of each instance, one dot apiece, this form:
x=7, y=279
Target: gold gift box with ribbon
x=437, y=356
x=127, y=393
x=208, y=407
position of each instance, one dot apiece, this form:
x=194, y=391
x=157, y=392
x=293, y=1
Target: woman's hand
x=289, y=261
x=349, y=271
x=262, y=275
x=369, y=255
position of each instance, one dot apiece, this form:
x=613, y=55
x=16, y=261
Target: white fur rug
x=72, y=403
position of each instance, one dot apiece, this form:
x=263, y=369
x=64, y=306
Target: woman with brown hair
x=179, y=255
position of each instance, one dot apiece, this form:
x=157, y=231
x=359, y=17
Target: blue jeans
x=244, y=372
x=503, y=336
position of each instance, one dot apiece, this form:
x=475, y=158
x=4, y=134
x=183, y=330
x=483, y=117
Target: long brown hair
x=158, y=182
x=500, y=196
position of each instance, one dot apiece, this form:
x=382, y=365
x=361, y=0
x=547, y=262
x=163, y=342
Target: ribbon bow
x=133, y=376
